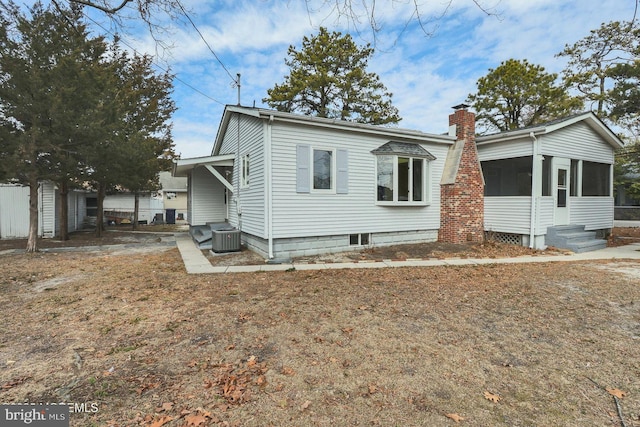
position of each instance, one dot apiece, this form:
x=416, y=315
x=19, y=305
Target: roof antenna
x=238, y=86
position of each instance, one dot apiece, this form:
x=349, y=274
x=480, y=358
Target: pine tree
x=329, y=78
x=518, y=94
x=594, y=58
x=132, y=132
x=42, y=52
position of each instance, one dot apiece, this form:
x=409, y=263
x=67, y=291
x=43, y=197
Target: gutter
x=399, y=134
x=238, y=174
x=508, y=135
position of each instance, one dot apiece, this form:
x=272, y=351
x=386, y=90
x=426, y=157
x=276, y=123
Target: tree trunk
x=64, y=209
x=32, y=240
x=100, y=208
x=601, y=97
x=136, y=207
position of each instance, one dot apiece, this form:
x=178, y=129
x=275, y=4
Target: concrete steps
x=574, y=238
x=203, y=234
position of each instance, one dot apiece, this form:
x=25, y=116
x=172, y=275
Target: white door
x=562, y=186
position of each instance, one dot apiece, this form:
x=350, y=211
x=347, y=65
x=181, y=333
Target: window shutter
x=303, y=174
x=342, y=169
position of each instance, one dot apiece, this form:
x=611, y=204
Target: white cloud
x=427, y=75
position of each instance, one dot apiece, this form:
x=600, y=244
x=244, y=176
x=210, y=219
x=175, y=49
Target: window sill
x=400, y=204
x=322, y=191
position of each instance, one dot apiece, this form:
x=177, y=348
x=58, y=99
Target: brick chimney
x=462, y=184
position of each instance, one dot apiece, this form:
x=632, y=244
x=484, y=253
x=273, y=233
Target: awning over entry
x=183, y=167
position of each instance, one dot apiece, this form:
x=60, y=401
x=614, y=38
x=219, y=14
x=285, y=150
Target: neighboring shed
x=14, y=210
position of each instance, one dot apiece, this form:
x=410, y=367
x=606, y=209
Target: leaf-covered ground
x=132, y=340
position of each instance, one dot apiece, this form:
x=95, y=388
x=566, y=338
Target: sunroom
x=568, y=181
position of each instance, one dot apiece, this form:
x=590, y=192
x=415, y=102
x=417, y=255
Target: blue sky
x=426, y=74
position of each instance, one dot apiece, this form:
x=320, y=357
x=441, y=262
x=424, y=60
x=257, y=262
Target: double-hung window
x=402, y=174
x=322, y=170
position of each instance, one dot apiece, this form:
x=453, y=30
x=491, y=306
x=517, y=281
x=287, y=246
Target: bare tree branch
x=360, y=15
x=103, y=7
x=357, y=12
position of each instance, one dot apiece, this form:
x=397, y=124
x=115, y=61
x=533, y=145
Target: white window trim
x=426, y=183
x=245, y=171
x=334, y=165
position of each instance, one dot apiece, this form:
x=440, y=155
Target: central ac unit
x=225, y=240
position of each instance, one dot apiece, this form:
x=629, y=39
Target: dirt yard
x=129, y=339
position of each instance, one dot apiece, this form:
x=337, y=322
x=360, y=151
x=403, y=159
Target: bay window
x=402, y=178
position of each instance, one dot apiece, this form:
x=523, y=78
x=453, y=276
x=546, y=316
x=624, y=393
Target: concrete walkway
x=196, y=263
x=620, y=223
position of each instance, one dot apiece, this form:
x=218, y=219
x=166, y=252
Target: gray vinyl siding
x=578, y=142
x=320, y=214
x=544, y=214
x=513, y=214
x=505, y=150
x=507, y=214
x=251, y=198
x=595, y=213
x=207, y=201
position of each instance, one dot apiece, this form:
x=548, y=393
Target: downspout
x=269, y=183
x=534, y=189
x=238, y=176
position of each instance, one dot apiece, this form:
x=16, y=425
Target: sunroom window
x=596, y=179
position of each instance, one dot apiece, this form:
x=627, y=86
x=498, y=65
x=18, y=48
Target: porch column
x=536, y=188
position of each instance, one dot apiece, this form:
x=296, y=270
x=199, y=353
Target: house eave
x=508, y=136
x=343, y=125
x=182, y=167
x=391, y=133
x=589, y=118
